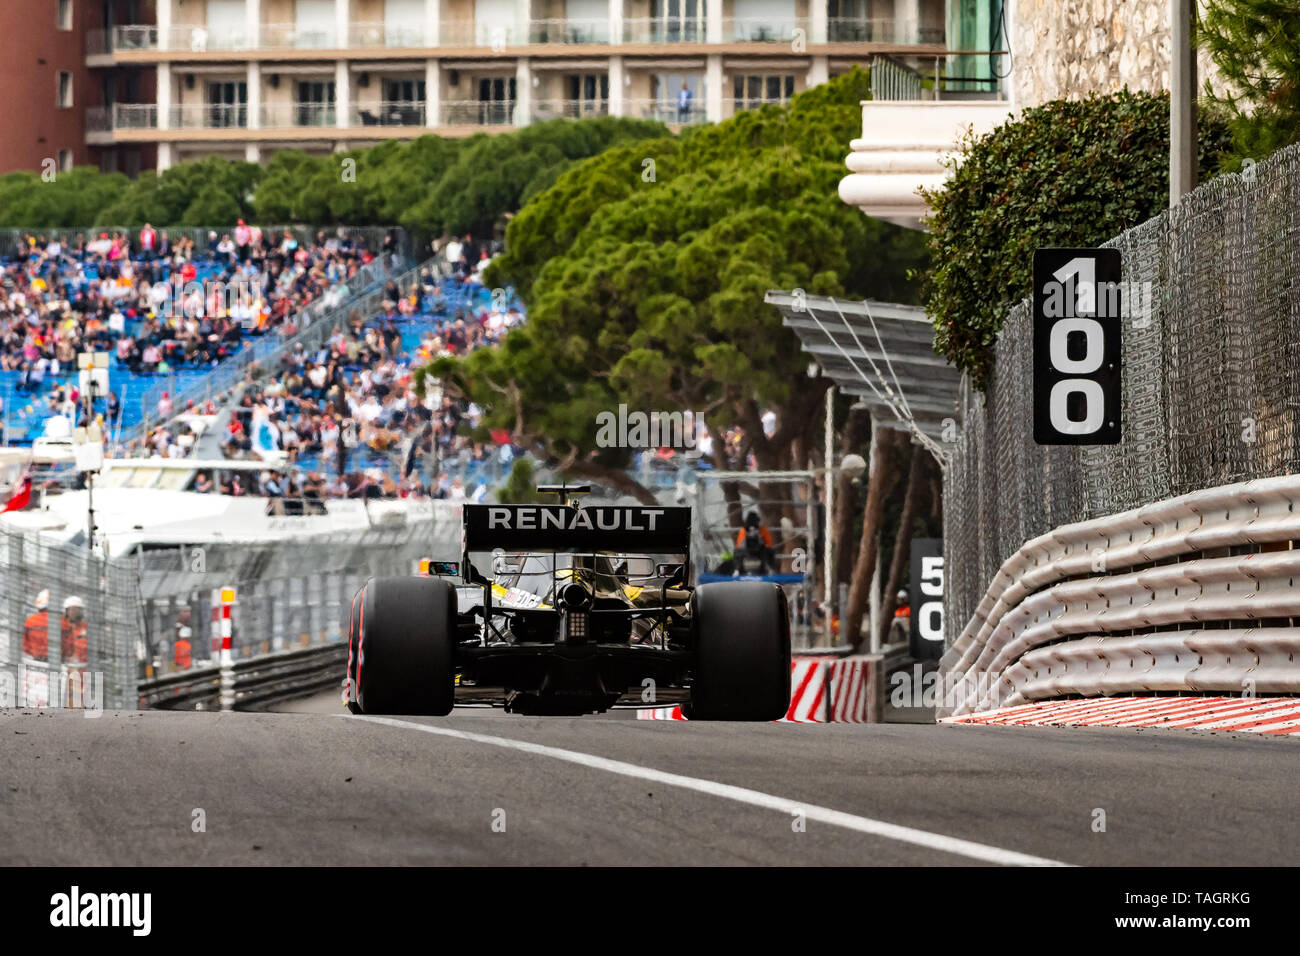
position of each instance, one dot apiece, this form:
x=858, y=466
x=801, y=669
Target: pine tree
x=1256, y=46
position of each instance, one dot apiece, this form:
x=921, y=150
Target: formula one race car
x=567, y=610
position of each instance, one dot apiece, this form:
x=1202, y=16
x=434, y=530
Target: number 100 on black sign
x=1077, y=305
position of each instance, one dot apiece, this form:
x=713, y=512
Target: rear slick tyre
x=742, y=643
x=404, y=659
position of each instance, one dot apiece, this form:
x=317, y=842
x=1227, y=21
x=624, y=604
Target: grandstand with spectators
x=167, y=312
x=209, y=352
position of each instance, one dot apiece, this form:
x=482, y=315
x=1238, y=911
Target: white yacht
x=144, y=503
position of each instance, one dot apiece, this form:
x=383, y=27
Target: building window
x=677, y=21
x=64, y=15
x=63, y=95
x=587, y=92
x=755, y=90
x=227, y=104
x=314, y=24
x=671, y=105
x=404, y=91
x=763, y=20
x=496, y=89
x=496, y=100
x=65, y=160
x=314, y=105
x=847, y=22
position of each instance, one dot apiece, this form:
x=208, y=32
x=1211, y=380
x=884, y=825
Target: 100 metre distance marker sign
x=1078, y=300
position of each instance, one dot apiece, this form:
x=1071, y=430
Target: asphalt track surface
x=315, y=786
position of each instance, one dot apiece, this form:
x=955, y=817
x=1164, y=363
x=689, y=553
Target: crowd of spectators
x=344, y=420
x=128, y=295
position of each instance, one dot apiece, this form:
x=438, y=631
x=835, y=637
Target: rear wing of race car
x=642, y=530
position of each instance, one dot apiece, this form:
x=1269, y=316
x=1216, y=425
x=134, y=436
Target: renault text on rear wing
x=562, y=528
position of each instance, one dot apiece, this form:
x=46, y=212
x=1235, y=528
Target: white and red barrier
x=852, y=693
x=1256, y=715
x=660, y=713
x=822, y=690
x=808, y=691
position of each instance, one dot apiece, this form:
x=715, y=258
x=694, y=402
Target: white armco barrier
x=1057, y=619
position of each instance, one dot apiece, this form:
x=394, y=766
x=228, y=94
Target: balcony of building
x=666, y=111
x=370, y=99
x=268, y=28
x=391, y=113
x=912, y=124
x=480, y=98
x=295, y=120
x=480, y=113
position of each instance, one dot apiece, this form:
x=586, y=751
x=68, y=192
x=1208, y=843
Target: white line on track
x=755, y=798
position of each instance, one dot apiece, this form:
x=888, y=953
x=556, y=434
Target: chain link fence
x=158, y=613
x=291, y=593
x=1211, y=382
x=69, y=626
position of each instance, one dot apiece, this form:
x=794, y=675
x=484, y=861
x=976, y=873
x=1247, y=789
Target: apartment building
x=183, y=79
x=46, y=85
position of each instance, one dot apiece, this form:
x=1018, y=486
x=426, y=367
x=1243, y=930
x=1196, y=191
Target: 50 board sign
x=1078, y=300
x=926, y=593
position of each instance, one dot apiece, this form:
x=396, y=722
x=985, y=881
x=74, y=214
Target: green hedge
x=1068, y=173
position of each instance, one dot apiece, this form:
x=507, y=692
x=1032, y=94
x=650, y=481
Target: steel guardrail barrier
x=1127, y=604
x=259, y=681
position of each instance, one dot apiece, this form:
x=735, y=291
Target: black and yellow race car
x=566, y=610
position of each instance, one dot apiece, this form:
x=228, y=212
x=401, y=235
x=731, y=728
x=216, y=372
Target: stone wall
x=1065, y=49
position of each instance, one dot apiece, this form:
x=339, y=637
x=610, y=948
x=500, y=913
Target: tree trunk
x=916, y=487
x=794, y=419
x=865, y=566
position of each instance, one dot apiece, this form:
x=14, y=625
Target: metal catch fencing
x=295, y=592
x=1211, y=383
x=157, y=614
x=52, y=652
x=792, y=495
